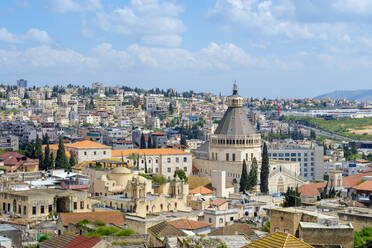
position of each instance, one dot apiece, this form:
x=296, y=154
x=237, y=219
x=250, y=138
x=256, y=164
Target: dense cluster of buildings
x=164, y=169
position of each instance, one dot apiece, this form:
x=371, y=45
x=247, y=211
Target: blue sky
x=277, y=48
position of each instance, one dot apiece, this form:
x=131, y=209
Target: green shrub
x=125, y=232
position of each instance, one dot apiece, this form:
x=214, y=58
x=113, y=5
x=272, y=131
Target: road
x=321, y=132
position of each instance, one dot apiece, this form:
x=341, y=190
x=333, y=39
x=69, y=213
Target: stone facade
x=39, y=203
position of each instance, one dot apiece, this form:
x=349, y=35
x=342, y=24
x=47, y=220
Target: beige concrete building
x=234, y=141
x=136, y=195
x=39, y=203
x=163, y=161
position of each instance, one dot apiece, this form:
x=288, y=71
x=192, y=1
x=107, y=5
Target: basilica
x=234, y=141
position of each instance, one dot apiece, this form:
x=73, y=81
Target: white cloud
x=354, y=6
x=154, y=22
x=65, y=6
x=37, y=35
x=7, y=36
x=32, y=34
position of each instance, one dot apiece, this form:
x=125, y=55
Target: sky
x=272, y=48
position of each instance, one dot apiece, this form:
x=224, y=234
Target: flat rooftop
x=40, y=193
x=163, y=216
x=320, y=226
x=303, y=211
x=7, y=228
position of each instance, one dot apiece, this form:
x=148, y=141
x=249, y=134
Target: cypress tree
x=264, y=186
x=52, y=164
x=72, y=161
x=252, y=177
x=143, y=142
x=30, y=151
x=47, y=163
x=61, y=158
x=243, y=178
x=39, y=151
x=149, y=143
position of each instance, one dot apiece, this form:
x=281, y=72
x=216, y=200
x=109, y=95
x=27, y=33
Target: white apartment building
x=309, y=156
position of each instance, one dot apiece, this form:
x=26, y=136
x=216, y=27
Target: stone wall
x=344, y=237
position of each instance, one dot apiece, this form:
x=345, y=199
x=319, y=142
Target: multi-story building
x=164, y=161
x=22, y=83
x=310, y=157
x=39, y=203
x=9, y=143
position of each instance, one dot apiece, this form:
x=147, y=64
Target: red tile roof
x=311, y=189
x=201, y=190
x=218, y=202
x=188, y=224
x=353, y=180
x=83, y=242
x=108, y=217
x=364, y=186
x=148, y=152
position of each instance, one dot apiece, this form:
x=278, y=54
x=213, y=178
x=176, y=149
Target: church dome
x=235, y=120
x=121, y=170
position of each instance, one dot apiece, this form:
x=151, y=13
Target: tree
x=252, y=176
x=45, y=139
x=181, y=175
x=354, y=148
x=243, y=184
x=265, y=169
x=292, y=198
x=61, y=158
x=52, y=164
x=312, y=135
x=135, y=158
x=47, y=162
x=143, y=142
x=149, y=143
x=72, y=160
x=145, y=165
x=39, y=151
x=363, y=238
x=30, y=151
x=183, y=141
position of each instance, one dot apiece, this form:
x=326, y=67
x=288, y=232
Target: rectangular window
x=287, y=154
x=305, y=154
x=156, y=161
x=281, y=154
x=81, y=204
x=293, y=154
x=233, y=157
x=312, y=154
x=95, y=153
x=185, y=159
x=24, y=210
x=227, y=157
x=19, y=209
x=221, y=220
x=75, y=205
x=184, y=169
x=33, y=210
x=299, y=154
x=169, y=169
x=275, y=154
x=312, y=164
x=4, y=206
x=177, y=160
x=276, y=229
x=104, y=152
x=305, y=164
x=299, y=159
x=231, y=218
x=286, y=230
x=293, y=159
x=50, y=208
x=169, y=160
x=269, y=154
x=85, y=153
x=210, y=220
x=305, y=174
x=305, y=159
x=157, y=170
x=42, y=210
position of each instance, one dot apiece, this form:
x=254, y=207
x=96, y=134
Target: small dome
x=121, y=170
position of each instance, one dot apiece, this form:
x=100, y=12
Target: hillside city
x=118, y=166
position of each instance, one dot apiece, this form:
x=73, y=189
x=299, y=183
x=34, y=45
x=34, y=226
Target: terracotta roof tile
x=353, y=180
x=108, y=217
x=188, y=224
x=83, y=242
x=201, y=190
x=148, y=152
x=312, y=189
x=364, y=186
x=279, y=240
x=58, y=242
x=86, y=144
x=164, y=229
x=218, y=202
